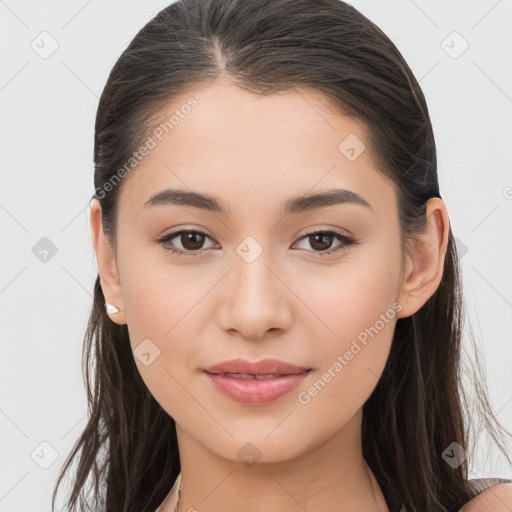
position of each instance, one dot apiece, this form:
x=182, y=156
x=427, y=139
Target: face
x=253, y=281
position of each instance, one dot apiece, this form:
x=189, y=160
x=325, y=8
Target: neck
x=331, y=476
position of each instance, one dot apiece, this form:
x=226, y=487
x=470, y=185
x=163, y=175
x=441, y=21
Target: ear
x=107, y=266
x=424, y=258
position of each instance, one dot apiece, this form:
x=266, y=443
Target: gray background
x=47, y=109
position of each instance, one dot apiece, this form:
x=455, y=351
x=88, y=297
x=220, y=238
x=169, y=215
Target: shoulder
x=496, y=497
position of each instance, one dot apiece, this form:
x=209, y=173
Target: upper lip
x=263, y=367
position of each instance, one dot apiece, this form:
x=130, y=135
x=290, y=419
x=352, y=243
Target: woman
x=277, y=315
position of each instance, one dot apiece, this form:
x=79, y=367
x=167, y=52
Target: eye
x=322, y=240
x=191, y=241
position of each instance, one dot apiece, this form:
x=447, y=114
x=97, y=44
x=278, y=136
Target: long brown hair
x=127, y=454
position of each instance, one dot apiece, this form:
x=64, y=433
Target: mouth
x=255, y=390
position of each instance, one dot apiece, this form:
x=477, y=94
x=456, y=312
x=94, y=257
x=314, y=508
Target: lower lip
x=254, y=391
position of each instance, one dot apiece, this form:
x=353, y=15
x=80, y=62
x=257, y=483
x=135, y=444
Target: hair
x=129, y=446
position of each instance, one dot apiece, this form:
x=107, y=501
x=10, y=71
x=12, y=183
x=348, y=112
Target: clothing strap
x=480, y=484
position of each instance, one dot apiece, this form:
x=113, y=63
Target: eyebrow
x=291, y=206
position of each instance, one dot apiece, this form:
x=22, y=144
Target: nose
x=257, y=300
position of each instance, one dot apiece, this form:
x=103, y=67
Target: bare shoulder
x=497, y=498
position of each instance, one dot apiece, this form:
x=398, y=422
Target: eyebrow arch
x=323, y=199
x=291, y=206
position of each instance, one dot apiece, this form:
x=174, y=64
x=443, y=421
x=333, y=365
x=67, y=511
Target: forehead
x=250, y=149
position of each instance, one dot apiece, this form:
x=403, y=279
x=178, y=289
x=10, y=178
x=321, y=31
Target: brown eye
x=191, y=242
x=322, y=241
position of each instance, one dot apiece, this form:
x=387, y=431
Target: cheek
x=166, y=305
x=160, y=336
x=350, y=296
x=159, y=296
x=356, y=313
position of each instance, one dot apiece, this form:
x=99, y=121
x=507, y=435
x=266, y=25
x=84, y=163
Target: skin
x=253, y=153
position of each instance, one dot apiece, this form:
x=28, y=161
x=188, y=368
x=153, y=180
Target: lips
x=258, y=383
x=255, y=391
x=266, y=368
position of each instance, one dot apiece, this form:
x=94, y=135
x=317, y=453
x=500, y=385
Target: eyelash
x=346, y=241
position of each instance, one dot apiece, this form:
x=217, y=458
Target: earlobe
x=107, y=266
x=425, y=259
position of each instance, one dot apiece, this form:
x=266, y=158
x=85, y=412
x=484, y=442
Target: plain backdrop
x=460, y=52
